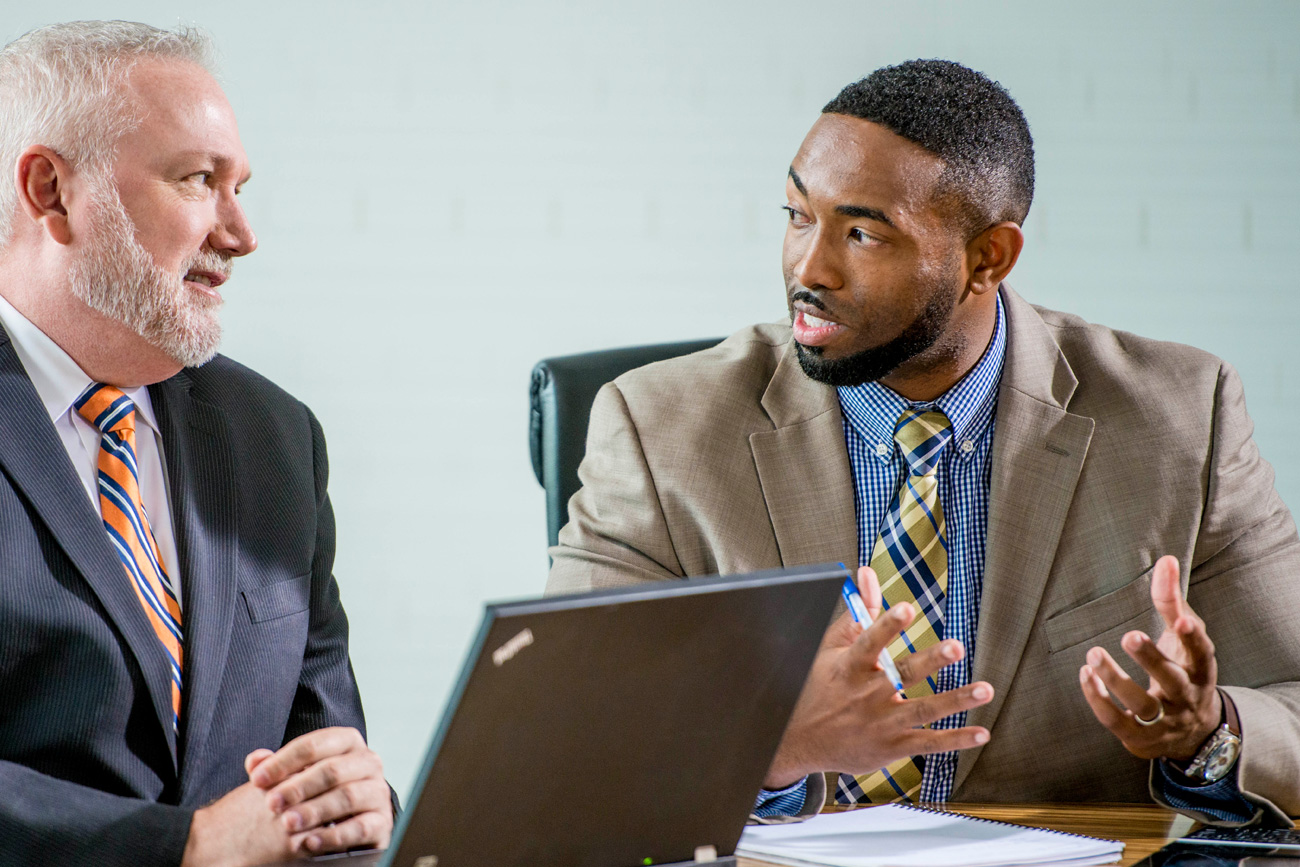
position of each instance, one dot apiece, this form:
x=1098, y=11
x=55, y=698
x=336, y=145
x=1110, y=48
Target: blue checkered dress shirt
x=870, y=413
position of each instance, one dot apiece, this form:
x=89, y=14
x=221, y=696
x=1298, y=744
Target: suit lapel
x=197, y=449
x=39, y=466
x=1038, y=453
x=803, y=467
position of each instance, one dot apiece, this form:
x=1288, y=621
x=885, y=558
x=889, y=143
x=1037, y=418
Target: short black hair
x=967, y=120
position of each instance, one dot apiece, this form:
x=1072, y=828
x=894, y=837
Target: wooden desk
x=1143, y=828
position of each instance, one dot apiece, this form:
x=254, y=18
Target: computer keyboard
x=1282, y=839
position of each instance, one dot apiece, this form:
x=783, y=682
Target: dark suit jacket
x=90, y=770
x=1109, y=451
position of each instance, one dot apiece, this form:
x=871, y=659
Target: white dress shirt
x=59, y=382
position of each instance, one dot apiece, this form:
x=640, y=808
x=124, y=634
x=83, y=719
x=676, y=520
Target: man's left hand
x=1183, y=674
x=328, y=789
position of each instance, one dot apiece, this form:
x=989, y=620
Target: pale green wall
x=446, y=192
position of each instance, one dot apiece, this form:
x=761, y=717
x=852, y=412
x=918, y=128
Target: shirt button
x=882, y=449
x=967, y=447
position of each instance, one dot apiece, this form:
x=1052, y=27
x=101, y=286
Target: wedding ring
x=1160, y=714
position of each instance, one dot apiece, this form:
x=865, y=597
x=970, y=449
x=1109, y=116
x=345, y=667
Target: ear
x=994, y=253
x=41, y=176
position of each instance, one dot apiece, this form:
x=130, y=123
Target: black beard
x=874, y=364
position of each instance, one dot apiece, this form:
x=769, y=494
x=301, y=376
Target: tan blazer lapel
x=1038, y=453
x=803, y=467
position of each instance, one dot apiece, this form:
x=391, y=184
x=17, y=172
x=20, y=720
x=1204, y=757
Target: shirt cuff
x=781, y=802
x=1220, y=802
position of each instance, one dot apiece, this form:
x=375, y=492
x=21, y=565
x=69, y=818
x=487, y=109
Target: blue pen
x=858, y=609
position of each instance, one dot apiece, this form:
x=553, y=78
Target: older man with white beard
x=173, y=652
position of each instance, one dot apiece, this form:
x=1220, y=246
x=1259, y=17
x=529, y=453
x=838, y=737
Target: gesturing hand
x=850, y=719
x=328, y=789
x=1180, y=698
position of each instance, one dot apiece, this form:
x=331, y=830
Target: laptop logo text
x=507, y=651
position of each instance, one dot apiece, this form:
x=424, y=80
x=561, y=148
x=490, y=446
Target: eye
x=202, y=178
x=796, y=217
x=861, y=236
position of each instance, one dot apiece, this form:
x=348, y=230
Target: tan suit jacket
x=1110, y=450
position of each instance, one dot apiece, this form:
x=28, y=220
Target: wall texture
x=446, y=192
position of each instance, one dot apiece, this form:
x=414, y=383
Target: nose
x=816, y=264
x=232, y=232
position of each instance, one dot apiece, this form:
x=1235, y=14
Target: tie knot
x=922, y=434
x=107, y=408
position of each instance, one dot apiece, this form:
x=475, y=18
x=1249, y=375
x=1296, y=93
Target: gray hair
x=61, y=86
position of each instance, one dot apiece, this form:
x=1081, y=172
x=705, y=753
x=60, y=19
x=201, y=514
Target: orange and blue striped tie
x=113, y=413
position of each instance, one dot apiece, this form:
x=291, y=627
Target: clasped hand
x=849, y=718
x=321, y=792
x=1180, y=707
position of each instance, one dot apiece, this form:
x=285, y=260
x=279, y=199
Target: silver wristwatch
x=1219, y=752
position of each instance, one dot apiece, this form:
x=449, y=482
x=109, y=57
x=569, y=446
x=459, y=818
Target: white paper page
x=897, y=836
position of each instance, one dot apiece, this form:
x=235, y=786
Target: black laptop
x=620, y=728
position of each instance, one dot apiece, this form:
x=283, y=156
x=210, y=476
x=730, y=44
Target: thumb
x=255, y=758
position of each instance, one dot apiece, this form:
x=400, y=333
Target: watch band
x=1230, y=718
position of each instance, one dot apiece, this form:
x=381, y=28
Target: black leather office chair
x=561, y=395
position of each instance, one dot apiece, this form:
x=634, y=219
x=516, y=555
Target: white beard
x=117, y=277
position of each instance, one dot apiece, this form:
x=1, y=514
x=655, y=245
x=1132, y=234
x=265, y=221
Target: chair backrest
x=561, y=395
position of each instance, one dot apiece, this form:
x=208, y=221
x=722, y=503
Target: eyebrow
x=860, y=211
x=865, y=213
x=798, y=184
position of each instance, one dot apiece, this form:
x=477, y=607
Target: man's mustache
x=805, y=295
x=210, y=260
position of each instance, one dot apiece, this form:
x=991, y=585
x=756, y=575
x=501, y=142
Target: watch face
x=1222, y=757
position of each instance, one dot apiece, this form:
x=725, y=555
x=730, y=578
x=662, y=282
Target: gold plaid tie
x=910, y=558
x=113, y=413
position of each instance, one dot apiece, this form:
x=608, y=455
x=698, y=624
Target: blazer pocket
x=273, y=601
x=1130, y=606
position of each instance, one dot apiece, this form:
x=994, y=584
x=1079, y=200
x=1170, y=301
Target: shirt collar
x=873, y=409
x=58, y=379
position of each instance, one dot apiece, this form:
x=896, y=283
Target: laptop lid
x=621, y=727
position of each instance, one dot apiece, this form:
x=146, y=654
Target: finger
x=1165, y=672
x=323, y=776
x=1094, y=692
x=304, y=751
x=941, y=705
x=916, y=667
x=864, y=653
x=255, y=758
x=336, y=804
x=372, y=829
x=1166, y=595
x=1202, y=669
x=869, y=588
x=926, y=741
x=1121, y=686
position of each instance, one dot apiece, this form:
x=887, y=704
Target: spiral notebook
x=894, y=835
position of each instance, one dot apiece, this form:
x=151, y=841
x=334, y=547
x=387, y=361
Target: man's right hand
x=238, y=830
x=850, y=719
